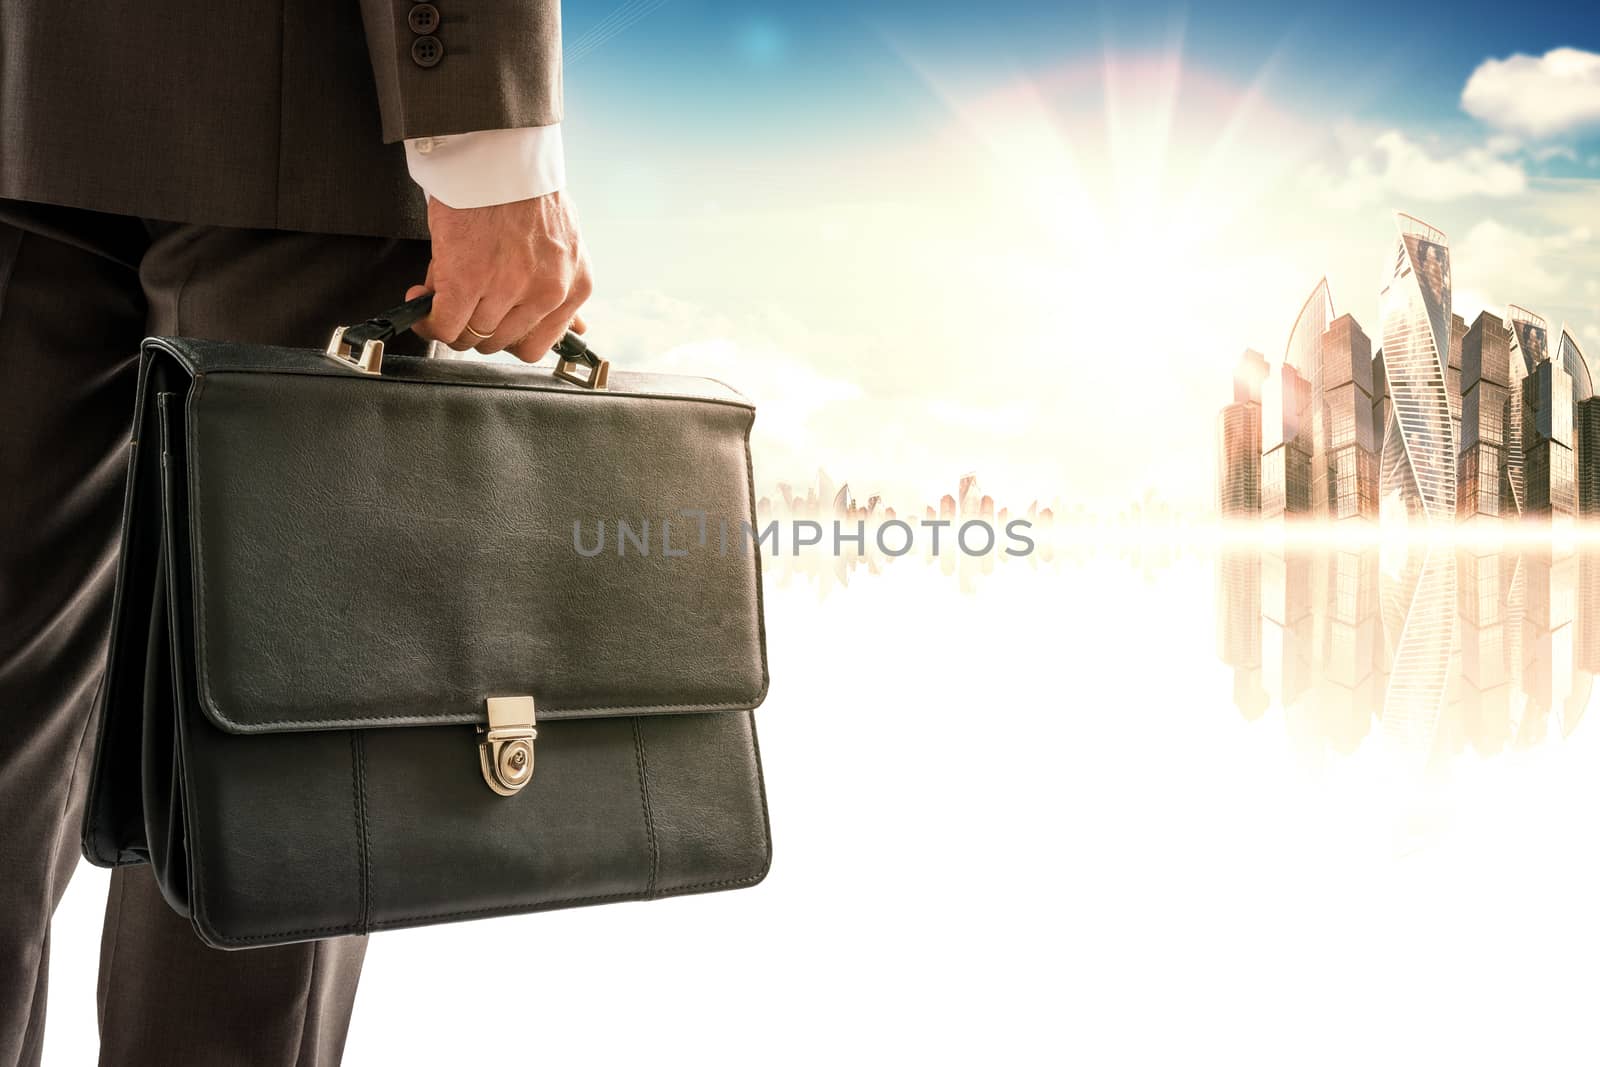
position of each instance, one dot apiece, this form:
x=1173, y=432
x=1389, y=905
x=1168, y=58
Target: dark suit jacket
x=283, y=114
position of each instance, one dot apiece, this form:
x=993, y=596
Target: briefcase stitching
x=203, y=925
x=644, y=802
x=358, y=785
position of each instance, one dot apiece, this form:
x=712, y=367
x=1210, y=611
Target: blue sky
x=738, y=59
x=837, y=205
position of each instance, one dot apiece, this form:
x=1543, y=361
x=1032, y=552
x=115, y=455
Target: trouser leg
x=71, y=315
x=77, y=291
x=165, y=997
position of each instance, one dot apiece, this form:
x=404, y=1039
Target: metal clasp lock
x=506, y=751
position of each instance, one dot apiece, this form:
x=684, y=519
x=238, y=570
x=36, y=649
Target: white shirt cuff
x=490, y=166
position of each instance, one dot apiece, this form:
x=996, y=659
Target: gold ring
x=479, y=336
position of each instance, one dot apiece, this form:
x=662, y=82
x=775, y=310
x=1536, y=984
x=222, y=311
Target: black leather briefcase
x=402, y=641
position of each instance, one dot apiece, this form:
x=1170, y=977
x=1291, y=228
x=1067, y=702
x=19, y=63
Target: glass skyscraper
x=1239, y=441
x=1452, y=374
x=1586, y=438
x=1285, y=444
x=1549, y=467
x=1304, y=354
x=1529, y=346
x=1485, y=401
x=1380, y=401
x=1585, y=426
x=1347, y=442
x=1418, y=466
x=1571, y=359
x=1239, y=460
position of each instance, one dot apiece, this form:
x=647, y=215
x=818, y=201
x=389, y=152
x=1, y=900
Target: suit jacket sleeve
x=500, y=67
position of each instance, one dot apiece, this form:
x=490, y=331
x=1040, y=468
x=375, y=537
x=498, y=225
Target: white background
x=1021, y=822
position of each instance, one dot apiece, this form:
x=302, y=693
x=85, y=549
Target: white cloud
x=1394, y=166
x=1545, y=153
x=1541, y=96
x=1496, y=264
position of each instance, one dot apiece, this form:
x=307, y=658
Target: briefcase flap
x=392, y=551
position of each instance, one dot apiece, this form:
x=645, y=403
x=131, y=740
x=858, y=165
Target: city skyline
x=1468, y=422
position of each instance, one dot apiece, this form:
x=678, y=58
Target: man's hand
x=511, y=276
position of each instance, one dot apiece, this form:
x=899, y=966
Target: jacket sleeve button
x=427, y=52
x=424, y=18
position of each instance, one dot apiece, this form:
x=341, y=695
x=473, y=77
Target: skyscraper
x=1452, y=374
x=1248, y=374
x=1418, y=466
x=1286, y=445
x=1549, y=470
x=1348, y=463
x=1586, y=438
x=1486, y=389
x=1239, y=460
x=1304, y=353
x=1571, y=358
x=1380, y=401
x=1239, y=441
x=1530, y=334
x=1529, y=345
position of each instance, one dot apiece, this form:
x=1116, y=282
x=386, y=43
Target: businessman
x=257, y=171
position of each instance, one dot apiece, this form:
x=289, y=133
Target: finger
x=578, y=325
x=483, y=327
x=516, y=325
x=426, y=286
x=543, y=337
x=447, y=321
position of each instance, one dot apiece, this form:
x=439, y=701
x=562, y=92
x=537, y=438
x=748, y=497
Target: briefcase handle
x=361, y=346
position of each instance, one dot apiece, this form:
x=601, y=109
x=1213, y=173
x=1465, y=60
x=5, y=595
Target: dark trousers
x=77, y=292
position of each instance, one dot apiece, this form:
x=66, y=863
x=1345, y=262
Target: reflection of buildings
x=846, y=534
x=1586, y=627
x=1239, y=442
x=1418, y=465
x=1483, y=648
x=1547, y=641
x=1490, y=606
x=1239, y=631
x=1345, y=677
x=1288, y=657
x=1423, y=641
